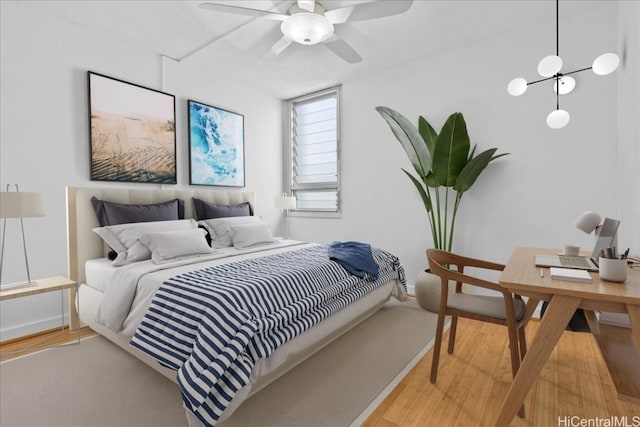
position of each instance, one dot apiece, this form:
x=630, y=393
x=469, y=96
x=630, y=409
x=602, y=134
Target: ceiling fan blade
x=243, y=11
x=282, y=5
x=343, y=49
x=365, y=11
x=280, y=45
x=309, y=5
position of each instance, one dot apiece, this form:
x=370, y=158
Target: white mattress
x=99, y=273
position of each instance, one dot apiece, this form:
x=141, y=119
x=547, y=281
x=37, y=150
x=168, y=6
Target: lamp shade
x=20, y=205
x=567, y=84
x=517, y=86
x=307, y=28
x=588, y=222
x=284, y=202
x=605, y=64
x=558, y=119
x=549, y=65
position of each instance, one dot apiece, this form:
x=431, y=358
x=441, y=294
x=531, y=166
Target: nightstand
x=41, y=286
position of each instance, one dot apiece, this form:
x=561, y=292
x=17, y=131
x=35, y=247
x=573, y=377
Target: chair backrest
x=437, y=260
x=440, y=262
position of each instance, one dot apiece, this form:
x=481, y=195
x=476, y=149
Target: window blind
x=314, y=151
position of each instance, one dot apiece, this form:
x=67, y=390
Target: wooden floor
x=473, y=382
x=25, y=345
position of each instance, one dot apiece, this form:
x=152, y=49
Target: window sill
x=314, y=214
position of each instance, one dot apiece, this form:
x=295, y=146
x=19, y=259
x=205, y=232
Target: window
x=312, y=127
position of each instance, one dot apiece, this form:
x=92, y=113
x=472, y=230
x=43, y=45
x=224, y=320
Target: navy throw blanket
x=355, y=257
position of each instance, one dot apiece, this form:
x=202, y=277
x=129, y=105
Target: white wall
x=528, y=198
x=629, y=124
x=44, y=143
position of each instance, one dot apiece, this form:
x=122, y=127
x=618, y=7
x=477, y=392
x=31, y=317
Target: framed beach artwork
x=132, y=132
x=216, y=146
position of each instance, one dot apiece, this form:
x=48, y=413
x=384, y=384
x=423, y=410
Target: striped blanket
x=213, y=324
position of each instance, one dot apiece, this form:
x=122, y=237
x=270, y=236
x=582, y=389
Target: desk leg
x=634, y=317
x=532, y=305
x=553, y=323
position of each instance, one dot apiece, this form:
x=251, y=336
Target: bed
x=138, y=324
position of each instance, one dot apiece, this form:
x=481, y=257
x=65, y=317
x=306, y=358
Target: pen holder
x=613, y=269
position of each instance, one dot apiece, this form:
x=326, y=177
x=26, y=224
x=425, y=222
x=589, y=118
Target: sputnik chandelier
x=549, y=68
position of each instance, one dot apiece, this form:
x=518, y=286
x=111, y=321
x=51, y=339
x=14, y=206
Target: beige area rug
x=98, y=384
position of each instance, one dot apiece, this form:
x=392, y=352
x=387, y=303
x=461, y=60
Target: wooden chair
x=507, y=310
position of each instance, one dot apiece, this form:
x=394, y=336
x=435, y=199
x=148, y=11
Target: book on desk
x=570, y=274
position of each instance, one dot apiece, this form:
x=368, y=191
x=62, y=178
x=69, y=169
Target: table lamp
x=285, y=203
x=588, y=222
x=17, y=204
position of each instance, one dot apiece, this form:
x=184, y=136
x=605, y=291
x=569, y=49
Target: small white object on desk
x=613, y=269
x=570, y=274
x=570, y=250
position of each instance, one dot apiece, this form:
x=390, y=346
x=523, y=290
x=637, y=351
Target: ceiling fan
x=308, y=22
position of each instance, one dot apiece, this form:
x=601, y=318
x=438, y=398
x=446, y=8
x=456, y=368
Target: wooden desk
x=620, y=347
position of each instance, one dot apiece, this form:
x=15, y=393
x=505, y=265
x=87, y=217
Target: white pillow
x=123, y=238
x=173, y=245
x=219, y=231
x=247, y=235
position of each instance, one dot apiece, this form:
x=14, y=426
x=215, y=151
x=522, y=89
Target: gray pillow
x=109, y=213
x=125, y=238
x=220, y=231
x=208, y=210
x=168, y=246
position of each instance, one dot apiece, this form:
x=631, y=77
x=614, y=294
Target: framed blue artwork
x=216, y=146
x=132, y=130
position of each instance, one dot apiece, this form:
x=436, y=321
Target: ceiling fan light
x=605, y=64
x=567, y=84
x=517, y=86
x=558, y=119
x=307, y=28
x=549, y=65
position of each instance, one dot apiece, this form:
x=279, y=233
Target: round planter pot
x=427, y=289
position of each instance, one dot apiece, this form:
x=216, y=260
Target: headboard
x=83, y=244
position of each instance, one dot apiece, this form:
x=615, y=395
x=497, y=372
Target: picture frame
x=132, y=132
x=216, y=146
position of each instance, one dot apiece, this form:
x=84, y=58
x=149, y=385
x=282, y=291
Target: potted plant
x=445, y=169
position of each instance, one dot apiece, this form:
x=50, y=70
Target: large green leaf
x=472, y=170
x=431, y=181
x=451, y=151
x=407, y=134
x=428, y=134
x=425, y=197
x=473, y=152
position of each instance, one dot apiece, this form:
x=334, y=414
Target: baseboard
x=32, y=327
